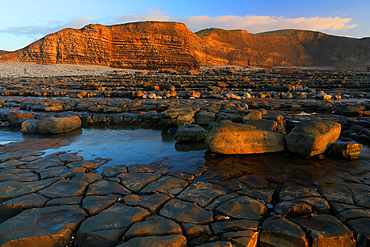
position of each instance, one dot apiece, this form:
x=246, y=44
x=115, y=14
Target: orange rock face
x=156, y=45
x=143, y=45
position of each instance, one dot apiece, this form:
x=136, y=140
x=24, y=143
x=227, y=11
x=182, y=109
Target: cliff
x=329, y=50
x=141, y=45
x=155, y=45
x=238, y=47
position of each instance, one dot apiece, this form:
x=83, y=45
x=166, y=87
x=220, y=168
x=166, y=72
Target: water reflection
x=130, y=145
x=308, y=171
x=142, y=145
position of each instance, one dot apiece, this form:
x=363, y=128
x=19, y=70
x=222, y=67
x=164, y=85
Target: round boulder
x=233, y=138
x=30, y=126
x=55, y=125
x=314, y=137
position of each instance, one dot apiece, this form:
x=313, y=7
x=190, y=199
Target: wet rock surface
x=259, y=205
x=233, y=138
x=228, y=200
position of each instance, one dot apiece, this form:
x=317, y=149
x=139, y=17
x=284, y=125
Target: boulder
x=347, y=150
x=17, y=118
x=314, y=137
x=253, y=115
x=30, y=126
x=190, y=133
x=267, y=124
x=233, y=138
x=55, y=125
x=204, y=117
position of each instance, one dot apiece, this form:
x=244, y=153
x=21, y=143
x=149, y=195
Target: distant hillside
x=2, y=52
x=329, y=50
x=238, y=47
x=154, y=45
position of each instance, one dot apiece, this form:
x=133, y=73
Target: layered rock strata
x=143, y=45
x=155, y=45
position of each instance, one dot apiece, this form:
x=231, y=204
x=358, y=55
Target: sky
x=23, y=22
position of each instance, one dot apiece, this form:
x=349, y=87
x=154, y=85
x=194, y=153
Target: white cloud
x=51, y=27
x=250, y=23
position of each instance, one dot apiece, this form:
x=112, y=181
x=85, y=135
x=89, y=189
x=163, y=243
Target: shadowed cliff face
x=238, y=47
x=155, y=45
x=286, y=48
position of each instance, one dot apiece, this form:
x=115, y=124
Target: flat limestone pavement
x=61, y=200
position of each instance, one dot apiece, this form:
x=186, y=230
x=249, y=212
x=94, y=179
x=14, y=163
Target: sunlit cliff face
x=155, y=45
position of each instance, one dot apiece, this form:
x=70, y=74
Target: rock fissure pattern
x=205, y=212
x=227, y=200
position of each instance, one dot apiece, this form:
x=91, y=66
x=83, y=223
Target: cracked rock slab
x=217, y=244
x=326, y=230
x=291, y=191
x=175, y=240
x=150, y=168
x=12, y=189
x=136, y=181
x=201, y=193
x=278, y=231
x=159, y=227
x=242, y=238
x=50, y=226
x=361, y=227
x=111, y=171
x=107, y=227
x=232, y=225
x=185, y=212
x=43, y=163
x=104, y=187
x=14, y=206
x=168, y=185
x=70, y=157
x=95, y=204
x=243, y=207
x=150, y=202
x=64, y=188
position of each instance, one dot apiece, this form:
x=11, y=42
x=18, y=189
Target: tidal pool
x=127, y=145
x=123, y=144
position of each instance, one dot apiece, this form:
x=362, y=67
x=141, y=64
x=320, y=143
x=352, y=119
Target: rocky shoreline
x=227, y=201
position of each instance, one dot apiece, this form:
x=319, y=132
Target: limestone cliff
x=286, y=48
x=238, y=47
x=152, y=45
x=141, y=45
x=155, y=45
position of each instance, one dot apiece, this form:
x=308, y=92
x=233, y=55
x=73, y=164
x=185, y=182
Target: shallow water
x=124, y=145
x=128, y=145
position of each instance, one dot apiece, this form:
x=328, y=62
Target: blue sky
x=24, y=21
